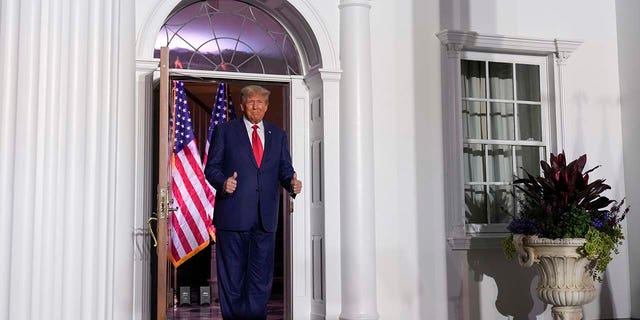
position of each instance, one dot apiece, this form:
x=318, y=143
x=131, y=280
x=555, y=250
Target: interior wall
x=628, y=28
x=592, y=118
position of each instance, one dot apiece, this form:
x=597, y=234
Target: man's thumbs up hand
x=231, y=183
x=296, y=185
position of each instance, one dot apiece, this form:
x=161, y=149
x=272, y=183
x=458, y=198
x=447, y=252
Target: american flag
x=190, y=222
x=222, y=111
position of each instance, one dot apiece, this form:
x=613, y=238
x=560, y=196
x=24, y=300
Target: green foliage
x=575, y=223
x=598, y=249
x=508, y=247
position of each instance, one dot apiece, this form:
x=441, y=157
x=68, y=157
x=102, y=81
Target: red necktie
x=257, y=145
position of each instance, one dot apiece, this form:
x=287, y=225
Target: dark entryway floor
x=212, y=312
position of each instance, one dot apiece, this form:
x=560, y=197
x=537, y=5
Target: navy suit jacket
x=258, y=188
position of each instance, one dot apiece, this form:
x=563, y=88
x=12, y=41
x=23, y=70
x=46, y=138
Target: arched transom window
x=227, y=35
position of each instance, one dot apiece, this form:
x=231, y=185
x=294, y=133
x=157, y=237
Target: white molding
x=143, y=185
x=330, y=75
x=330, y=55
x=147, y=65
x=206, y=74
x=330, y=95
x=300, y=239
x=452, y=143
x=474, y=41
x=560, y=60
x=313, y=81
x=355, y=3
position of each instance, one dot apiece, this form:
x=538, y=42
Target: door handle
x=153, y=235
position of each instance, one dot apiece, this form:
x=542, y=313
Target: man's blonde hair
x=254, y=90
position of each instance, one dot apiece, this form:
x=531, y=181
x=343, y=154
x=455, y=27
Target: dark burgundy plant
x=562, y=188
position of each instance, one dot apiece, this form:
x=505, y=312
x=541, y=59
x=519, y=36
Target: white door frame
x=320, y=221
x=305, y=304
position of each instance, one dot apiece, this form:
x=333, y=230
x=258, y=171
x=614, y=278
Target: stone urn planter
x=565, y=281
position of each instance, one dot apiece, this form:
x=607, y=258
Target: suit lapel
x=267, y=141
x=245, y=143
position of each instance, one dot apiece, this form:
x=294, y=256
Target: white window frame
x=459, y=45
x=512, y=59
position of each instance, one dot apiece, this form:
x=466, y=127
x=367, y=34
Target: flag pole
x=171, y=282
x=175, y=287
x=226, y=99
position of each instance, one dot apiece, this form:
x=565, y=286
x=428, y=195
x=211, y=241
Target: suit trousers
x=245, y=272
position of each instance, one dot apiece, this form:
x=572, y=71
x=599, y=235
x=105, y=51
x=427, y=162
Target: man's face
x=254, y=107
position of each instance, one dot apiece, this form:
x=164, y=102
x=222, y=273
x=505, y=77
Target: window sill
x=477, y=241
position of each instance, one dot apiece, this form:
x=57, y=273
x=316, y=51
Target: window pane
x=528, y=82
x=475, y=204
x=474, y=119
x=500, y=163
x=530, y=122
x=290, y=54
x=529, y=159
x=473, y=162
x=501, y=205
x=502, y=121
x=473, y=79
x=503, y=130
x=207, y=58
x=228, y=35
x=500, y=80
x=519, y=197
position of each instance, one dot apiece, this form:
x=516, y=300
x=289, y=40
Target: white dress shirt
x=260, y=130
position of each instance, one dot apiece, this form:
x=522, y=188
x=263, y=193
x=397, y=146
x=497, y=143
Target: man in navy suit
x=248, y=161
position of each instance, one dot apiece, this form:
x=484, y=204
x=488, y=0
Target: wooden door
x=165, y=145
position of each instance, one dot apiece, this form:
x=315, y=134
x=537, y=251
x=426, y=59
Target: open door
x=164, y=186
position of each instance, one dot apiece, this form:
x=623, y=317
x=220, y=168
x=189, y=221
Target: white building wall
x=592, y=119
x=410, y=237
x=629, y=67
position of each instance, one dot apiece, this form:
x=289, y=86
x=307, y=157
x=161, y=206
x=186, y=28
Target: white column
x=9, y=27
x=66, y=159
x=356, y=164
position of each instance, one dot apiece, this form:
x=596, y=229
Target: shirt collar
x=249, y=125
